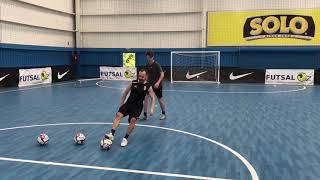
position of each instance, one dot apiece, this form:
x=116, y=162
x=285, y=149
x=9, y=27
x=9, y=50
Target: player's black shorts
x=158, y=92
x=132, y=110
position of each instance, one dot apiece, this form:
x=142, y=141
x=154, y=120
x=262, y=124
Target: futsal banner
x=118, y=73
x=62, y=73
x=290, y=76
x=188, y=74
x=9, y=77
x=28, y=77
x=237, y=75
x=265, y=28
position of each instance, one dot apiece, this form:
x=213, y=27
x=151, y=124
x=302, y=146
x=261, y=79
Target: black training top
x=154, y=71
x=138, y=93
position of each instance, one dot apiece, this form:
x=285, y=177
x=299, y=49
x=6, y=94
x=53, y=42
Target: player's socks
x=145, y=116
x=113, y=131
x=126, y=136
x=163, y=112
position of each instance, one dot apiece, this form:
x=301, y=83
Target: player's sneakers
x=109, y=136
x=163, y=117
x=124, y=142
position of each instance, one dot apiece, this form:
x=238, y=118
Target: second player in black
x=155, y=77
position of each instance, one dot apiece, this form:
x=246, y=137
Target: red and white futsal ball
x=79, y=138
x=43, y=139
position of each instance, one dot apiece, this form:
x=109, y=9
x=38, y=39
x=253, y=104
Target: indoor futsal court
x=159, y=89
x=249, y=135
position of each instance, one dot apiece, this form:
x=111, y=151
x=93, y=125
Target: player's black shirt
x=138, y=93
x=154, y=71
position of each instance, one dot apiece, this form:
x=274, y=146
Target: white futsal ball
x=105, y=144
x=43, y=139
x=79, y=138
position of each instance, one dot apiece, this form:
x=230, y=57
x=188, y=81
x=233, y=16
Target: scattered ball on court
x=79, y=138
x=105, y=144
x=43, y=139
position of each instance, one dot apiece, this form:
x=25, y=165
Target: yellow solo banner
x=129, y=59
x=265, y=28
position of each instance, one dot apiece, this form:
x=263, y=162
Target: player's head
x=150, y=55
x=142, y=77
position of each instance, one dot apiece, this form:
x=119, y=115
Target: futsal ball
x=302, y=77
x=105, y=144
x=79, y=138
x=43, y=139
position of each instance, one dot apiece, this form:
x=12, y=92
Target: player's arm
x=161, y=76
x=125, y=94
x=151, y=94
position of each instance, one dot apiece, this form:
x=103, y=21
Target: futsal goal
x=195, y=66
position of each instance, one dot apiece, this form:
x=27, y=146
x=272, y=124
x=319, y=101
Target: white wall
x=26, y=35
x=161, y=23
x=121, y=23
x=60, y=5
x=35, y=24
x=139, y=6
x=141, y=23
x=142, y=39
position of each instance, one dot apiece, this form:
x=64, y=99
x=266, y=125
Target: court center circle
x=252, y=171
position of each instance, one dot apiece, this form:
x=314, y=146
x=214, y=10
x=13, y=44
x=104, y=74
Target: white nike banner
x=28, y=77
x=118, y=73
x=290, y=76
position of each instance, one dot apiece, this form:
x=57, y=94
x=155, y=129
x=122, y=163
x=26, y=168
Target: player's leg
x=117, y=120
x=123, y=111
x=162, y=105
x=133, y=117
x=132, y=125
x=145, y=107
x=158, y=93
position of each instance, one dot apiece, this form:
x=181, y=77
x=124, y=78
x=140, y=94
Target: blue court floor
x=211, y=132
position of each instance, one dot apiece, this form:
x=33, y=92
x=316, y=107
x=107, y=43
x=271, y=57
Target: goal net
x=195, y=66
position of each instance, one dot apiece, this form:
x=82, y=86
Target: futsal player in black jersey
x=155, y=78
x=138, y=89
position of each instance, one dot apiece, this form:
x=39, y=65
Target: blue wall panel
x=280, y=58
x=242, y=57
x=100, y=58
x=113, y=57
x=90, y=71
x=19, y=56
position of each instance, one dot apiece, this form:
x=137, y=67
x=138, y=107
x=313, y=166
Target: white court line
x=252, y=171
x=37, y=87
x=219, y=92
x=47, y=163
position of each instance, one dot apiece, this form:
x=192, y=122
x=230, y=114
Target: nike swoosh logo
x=189, y=76
x=62, y=75
x=1, y=79
x=232, y=77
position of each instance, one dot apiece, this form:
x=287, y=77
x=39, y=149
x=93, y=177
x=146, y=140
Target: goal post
x=195, y=66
